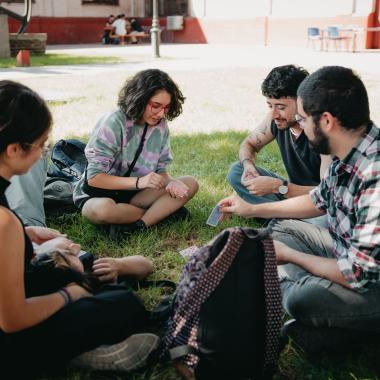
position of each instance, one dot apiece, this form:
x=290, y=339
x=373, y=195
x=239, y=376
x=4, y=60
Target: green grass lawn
x=59, y=59
x=208, y=158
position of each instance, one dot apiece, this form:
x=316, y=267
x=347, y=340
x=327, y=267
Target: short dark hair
x=337, y=90
x=137, y=91
x=283, y=81
x=24, y=115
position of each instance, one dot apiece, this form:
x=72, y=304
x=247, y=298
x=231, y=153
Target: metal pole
x=155, y=31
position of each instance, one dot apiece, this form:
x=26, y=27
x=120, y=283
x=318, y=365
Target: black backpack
x=227, y=310
x=68, y=163
x=68, y=160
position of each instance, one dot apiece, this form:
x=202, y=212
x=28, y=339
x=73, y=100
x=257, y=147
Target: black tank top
x=301, y=162
x=29, y=251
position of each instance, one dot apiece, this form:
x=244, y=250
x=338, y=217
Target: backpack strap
x=138, y=151
x=161, y=313
x=132, y=165
x=180, y=351
x=273, y=305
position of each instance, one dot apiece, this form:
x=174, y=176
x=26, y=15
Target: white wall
x=280, y=8
x=228, y=9
x=74, y=8
x=364, y=7
x=222, y=9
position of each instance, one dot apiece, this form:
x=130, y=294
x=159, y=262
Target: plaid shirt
x=350, y=194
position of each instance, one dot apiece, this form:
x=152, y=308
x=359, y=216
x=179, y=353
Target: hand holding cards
x=215, y=217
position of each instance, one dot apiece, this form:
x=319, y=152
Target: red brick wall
x=257, y=31
x=70, y=30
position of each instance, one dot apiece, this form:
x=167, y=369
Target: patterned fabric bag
x=227, y=310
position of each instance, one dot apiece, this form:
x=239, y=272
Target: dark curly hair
x=283, y=81
x=137, y=91
x=24, y=115
x=337, y=90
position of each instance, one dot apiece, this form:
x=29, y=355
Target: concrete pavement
x=221, y=83
x=197, y=57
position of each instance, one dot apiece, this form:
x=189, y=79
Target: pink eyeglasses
x=157, y=107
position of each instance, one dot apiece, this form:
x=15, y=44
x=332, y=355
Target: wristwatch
x=283, y=189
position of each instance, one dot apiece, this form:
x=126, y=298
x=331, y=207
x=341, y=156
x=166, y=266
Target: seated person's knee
x=193, y=185
x=97, y=214
x=234, y=173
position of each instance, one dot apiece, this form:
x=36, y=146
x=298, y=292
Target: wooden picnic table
x=139, y=35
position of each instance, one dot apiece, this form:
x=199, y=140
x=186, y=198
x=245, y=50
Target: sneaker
x=328, y=340
x=180, y=214
x=132, y=353
x=117, y=230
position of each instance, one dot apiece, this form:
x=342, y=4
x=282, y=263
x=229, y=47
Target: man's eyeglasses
x=45, y=149
x=157, y=108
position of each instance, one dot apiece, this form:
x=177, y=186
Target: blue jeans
x=234, y=179
x=314, y=300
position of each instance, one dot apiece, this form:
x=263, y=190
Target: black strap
x=138, y=152
x=179, y=351
x=132, y=165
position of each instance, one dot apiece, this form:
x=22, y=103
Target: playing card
x=214, y=217
x=188, y=252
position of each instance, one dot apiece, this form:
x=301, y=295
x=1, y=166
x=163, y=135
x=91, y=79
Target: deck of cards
x=215, y=217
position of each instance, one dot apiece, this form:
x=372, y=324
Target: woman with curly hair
x=126, y=184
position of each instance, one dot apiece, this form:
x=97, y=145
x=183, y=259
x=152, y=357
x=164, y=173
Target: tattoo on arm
x=258, y=139
x=263, y=129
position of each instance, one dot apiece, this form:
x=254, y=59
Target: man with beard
x=330, y=279
x=303, y=166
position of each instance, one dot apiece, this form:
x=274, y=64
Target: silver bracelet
x=63, y=292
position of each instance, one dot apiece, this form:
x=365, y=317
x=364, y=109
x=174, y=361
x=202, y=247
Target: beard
x=286, y=124
x=320, y=144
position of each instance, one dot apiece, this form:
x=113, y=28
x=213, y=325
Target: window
x=167, y=7
x=101, y=2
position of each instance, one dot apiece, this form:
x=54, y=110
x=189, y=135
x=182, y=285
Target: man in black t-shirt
x=303, y=166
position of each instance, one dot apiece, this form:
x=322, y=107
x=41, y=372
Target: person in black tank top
x=63, y=324
x=303, y=167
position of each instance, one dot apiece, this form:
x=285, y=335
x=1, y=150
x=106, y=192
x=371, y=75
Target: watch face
x=283, y=189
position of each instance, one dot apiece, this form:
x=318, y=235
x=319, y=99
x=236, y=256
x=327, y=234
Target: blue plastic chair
x=334, y=34
x=313, y=34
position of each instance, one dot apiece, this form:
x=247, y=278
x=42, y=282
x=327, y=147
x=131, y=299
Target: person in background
x=120, y=28
x=108, y=29
x=136, y=30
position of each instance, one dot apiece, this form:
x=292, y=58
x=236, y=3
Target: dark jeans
x=106, y=318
